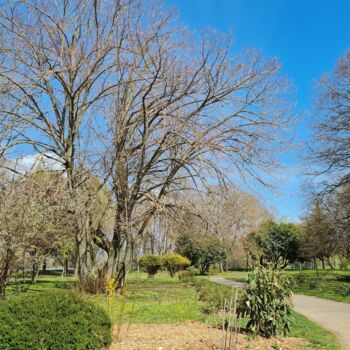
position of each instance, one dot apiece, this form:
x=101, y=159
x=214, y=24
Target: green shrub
x=150, y=264
x=55, y=320
x=300, y=279
x=174, y=263
x=344, y=264
x=187, y=277
x=194, y=270
x=267, y=302
x=345, y=291
x=313, y=284
x=217, y=297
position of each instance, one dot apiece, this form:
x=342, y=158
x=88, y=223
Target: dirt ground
x=192, y=336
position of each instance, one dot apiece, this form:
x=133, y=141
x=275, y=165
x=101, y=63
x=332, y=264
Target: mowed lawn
x=327, y=284
x=165, y=300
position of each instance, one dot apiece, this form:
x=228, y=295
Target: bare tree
x=330, y=153
x=107, y=85
x=58, y=66
x=232, y=214
x=194, y=112
x=33, y=220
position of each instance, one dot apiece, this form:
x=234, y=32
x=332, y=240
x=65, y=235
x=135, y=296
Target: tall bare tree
x=330, y=153
x=110, y=86
x=194, y=110
x=58, y=66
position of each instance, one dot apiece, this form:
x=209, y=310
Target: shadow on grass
x=344, y=278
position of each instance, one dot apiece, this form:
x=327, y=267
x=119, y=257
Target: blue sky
x=307, y=36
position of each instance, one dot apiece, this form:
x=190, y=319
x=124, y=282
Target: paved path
x=227, y=282
x=331, y=315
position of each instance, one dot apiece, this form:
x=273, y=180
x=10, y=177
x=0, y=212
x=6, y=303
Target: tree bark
x=44, y=265
x=35, y=272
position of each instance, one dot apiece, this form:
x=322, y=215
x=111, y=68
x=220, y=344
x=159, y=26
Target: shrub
x=300, y=279
x=174, y=263
x=344, y=264
x=150, y=264
x=217, y=297
x=194, y=270
x=187, y=277
x=345, y=291
x=267, y=302
x=313, y=284
x=53, y=320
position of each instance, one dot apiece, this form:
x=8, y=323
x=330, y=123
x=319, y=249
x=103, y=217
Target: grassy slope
x=330, y=284
x=166, y=300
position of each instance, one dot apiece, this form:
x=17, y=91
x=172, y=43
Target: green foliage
x=345, y=291
x=217, y=297
x=187, y=277
x=150, y=264
x=174, y=263
x=300, y=278
x=202, y=251
x=267, y=302
x=313, y=283
x=344, y=264
x=55, y=320
x=278, y=242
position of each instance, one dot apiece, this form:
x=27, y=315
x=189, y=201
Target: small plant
x=313, y=284
x=110, y=290
x=52, y=320
x=174, y=263
x=345, y=291
x=300, y=279
x=276, y=346
x=150, y=264
x=268, y=302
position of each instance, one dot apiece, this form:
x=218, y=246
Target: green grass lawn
x=154, y=300
x=166, y=300
x=327, y=284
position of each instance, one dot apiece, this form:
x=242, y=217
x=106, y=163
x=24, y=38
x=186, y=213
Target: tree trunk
x=2, y=289
x=4, y=272
x=88, y=277
x=329, y=263
x=65, y=267
x=44, y=265
x=35, y=272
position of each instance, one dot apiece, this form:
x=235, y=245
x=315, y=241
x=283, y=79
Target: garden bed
x=192, y=336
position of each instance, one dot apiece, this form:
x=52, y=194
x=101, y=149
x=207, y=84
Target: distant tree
x=318, y=235
x=33, y=221
x=338, y=212
x=277, y=243
x=203, y=251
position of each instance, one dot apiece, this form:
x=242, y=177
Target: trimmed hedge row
x=171, y=262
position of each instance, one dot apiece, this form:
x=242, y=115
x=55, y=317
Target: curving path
x=332, y=315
